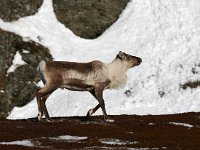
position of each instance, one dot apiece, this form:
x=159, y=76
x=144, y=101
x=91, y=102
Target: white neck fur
x=117, y=73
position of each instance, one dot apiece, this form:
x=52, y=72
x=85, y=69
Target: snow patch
x=69, y=138
x=181, y=124
x=116, y=142
x=22, y=142
x=25, y=51
x=17, y=61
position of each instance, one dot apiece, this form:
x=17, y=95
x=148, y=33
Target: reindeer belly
x=77, y=85
x=77, y=81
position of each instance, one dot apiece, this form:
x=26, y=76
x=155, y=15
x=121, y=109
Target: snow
x=116, y=142
x=17, y=61
x=22, y=142
x=181, y=124
x=165, y=34
x=29, y=143
x=69, y=138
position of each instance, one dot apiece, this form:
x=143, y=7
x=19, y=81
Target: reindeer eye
x=128, y=57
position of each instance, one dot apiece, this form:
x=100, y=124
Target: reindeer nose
x=139, y=60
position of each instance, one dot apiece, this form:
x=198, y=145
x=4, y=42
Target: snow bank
x=165, y=34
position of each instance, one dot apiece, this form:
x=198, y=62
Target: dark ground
x=181, y=131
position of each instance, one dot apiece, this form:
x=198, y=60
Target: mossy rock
x=12, y=10
x=88, y=19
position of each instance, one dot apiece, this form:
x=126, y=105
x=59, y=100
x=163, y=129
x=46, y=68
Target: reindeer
x=94, y=77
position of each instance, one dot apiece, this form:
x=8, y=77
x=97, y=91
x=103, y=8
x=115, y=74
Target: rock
x=88, y=19
x=11, y=10
x=18, y=88
x=7, y=52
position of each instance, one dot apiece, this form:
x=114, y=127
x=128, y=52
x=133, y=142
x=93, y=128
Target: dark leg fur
x=42, y=96
x=98, y=94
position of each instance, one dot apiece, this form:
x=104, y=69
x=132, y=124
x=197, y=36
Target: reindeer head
x=130, y=60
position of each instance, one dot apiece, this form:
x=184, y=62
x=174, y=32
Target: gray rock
x=7, y=52
x=11, y=10
x=88, y=19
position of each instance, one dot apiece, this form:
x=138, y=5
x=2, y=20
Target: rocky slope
x=179, y=131
x=18, y=88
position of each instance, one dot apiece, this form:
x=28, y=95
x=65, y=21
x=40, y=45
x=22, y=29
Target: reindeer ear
x=120, y=55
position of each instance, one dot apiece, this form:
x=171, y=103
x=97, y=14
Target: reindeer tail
x=40, y=70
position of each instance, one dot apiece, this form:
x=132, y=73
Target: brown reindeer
x=94, y=77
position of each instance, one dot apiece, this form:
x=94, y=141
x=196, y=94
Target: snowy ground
x=165, y=34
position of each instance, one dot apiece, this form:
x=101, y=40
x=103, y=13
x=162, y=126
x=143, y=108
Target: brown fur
x=79, y=67
x=93, y=76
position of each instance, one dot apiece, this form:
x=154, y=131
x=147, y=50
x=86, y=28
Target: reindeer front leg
x=99, y=96
x=92, y=111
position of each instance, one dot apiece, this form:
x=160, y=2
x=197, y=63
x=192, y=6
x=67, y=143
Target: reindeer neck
x=117, y=71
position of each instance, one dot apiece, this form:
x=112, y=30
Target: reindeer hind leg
x=92, y=111
x=44, y=108
x=42, y=96
x=40, y=110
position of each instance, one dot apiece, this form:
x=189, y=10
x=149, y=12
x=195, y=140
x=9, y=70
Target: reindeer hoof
x=90, y=112
x=50, y=120
x=39, y=116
